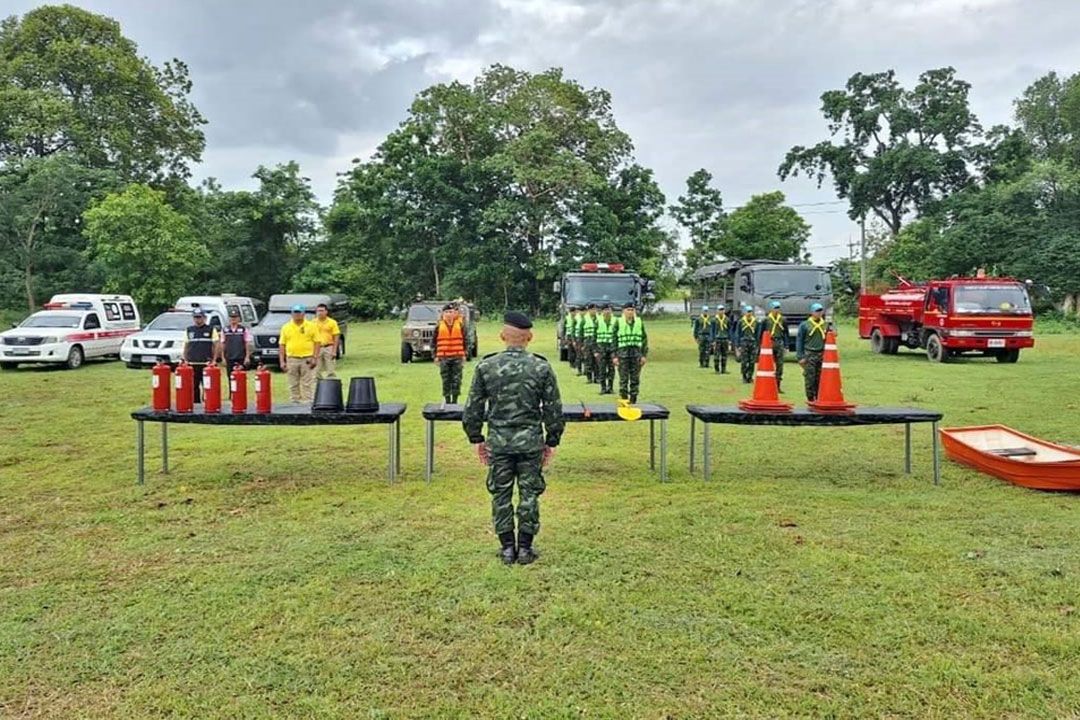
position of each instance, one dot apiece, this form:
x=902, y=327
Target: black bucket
x=328, y=396
x=362, y=397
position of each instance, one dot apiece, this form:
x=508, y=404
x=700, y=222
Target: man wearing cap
x=588, y=343
x=721, y=339
x=632, y=346
x=516, y=393
x=200, y=348
x=745, y=338
x=235, y=345
x=700, y=327
x=810, y=348
x=605, y=350
x=450, y=352
x=775, y=325
x=298, y=348
x=328, y=335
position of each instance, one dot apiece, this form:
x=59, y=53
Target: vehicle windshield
x=425, y=313
x=274, y=321
x=600, y=289
x=1011, y=299
x=809, y=282
x=170, y=321
x=51, y=320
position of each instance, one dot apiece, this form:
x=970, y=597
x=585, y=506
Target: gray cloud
x=720, y=84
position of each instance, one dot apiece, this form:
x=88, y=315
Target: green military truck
x=599, y=283
x=421, y=321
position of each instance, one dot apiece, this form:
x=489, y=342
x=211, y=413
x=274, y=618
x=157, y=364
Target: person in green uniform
x=720, y=331
x=632, y=347
x=810, y=347
x=579, y=342
x=515, y=392
x=776, y=326
x=746, y=332
x=605, y=350
x=701, y=331
x=588, y=342
x=568, y=335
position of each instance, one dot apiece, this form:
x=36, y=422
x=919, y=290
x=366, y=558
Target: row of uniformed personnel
x=598, y=343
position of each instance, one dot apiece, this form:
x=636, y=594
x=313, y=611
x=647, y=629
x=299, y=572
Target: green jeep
x=421, y=320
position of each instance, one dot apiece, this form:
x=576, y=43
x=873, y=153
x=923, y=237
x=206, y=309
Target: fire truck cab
x=947, y=318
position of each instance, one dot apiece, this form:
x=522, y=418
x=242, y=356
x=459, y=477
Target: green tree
x=1049, y=115
x=764, y=228
x=895, y=151
x=701, y=214
x=143, y=247
x=71, y=82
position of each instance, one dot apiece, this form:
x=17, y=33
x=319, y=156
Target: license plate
x=995, y=343
x=20, y=351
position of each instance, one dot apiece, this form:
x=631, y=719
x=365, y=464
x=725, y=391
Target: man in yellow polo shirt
x=298, y=348
x=328, y=334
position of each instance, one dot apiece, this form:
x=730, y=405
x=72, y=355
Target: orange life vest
x=450, y=341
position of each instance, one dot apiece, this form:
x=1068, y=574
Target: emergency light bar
x=602, y=267
x=69, y=306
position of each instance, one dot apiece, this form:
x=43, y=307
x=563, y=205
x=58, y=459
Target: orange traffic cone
x=766, y=398
x=830, y=396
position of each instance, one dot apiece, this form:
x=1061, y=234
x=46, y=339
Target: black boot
x=508, y=553
x=633, y=399
x=453, y=399
x=525, y=554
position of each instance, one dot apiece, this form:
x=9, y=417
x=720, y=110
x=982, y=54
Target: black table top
x=572, y=412
x=804, y=416
x=281, y=414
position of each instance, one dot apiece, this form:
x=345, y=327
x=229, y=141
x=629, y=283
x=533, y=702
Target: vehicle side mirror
x=14, y=325
x=556, y=286
x=745, y=287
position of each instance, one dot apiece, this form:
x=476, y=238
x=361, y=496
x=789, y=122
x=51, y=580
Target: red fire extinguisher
x=263, y=396
x=238, y=387
x=185, y=388
x=162, y=387
x=211, y=386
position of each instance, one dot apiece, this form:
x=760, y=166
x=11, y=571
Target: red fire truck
x=990, y=316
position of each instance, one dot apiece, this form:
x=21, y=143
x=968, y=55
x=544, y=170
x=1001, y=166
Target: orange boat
x=1010, y=455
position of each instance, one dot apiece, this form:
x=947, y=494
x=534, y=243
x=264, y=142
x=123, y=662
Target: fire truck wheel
x=935, y=351
x=1008, y=356
x=877, y=341
x=75, y=358
x=892, y=345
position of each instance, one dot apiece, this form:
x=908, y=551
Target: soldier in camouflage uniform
x=721, y=339
x=579, y=343
x=605, y=350
x=775, y=325
x=588, y=343
x=700, y=327
x=810, y=347
x=568, y=335
x=746, y=332
x=516, y=393
x=632, y=346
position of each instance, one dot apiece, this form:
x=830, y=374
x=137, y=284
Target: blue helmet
x=704, y=308
x=817, y=307
x=775, y=304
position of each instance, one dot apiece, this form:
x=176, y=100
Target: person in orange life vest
x=450, y=352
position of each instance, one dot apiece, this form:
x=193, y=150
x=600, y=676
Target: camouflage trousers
x=450, y=370
x=747, y=358
x=812, y=373
x=720, y=352
x=779, y=348
x=504, y=470
x=571, y=352
x=703, y=352
x=578, y=355
x=605, y=368
x=589, y=364
x=629, y=372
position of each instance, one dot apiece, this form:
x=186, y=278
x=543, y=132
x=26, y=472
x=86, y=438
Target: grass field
x=274, y=573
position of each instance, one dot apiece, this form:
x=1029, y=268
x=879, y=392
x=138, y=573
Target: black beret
x=628, y=305
x=591, y=306
x=519, y=320
x=607, y=306
x=448, y=306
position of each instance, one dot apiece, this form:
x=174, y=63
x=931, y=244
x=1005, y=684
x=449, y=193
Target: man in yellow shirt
x=298, y=348
x=328, y=335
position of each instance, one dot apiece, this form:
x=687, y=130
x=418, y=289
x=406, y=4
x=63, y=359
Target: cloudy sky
x=727, y=85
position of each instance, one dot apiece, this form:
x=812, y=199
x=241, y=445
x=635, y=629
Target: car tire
x=878, y=342
x=935, y=350
x=8, y=366
x=406, y=353
x=76, y=357
x=1008, y=356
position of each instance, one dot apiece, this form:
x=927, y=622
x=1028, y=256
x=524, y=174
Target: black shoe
x=526, y=555
x=508, y=555
x=633, y=399
x=453, y=399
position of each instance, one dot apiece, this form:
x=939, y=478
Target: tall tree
x=700, y=212
x=764, y=228
x=71, y=82
x=143, y=247
x=894, y=151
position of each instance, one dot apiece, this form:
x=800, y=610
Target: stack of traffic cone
x=830, y=395
x=766, y=396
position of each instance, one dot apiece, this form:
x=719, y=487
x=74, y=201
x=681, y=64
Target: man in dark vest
x=235, y=345
x=200, y=347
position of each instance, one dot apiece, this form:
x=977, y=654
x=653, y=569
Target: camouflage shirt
x=516, y=393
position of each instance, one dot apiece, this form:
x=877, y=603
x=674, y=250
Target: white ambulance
x=72, y=328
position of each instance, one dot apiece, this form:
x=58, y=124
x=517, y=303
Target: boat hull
x=1013, y=456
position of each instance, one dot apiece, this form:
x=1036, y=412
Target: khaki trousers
x=327, y=367
x=301, y=377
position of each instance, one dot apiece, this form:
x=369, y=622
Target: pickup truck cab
x=163, y=339
x=71, y=329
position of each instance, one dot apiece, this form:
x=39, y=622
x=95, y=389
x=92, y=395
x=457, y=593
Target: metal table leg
x=663, y=451
x=907, y=448
x=139, y=452
x=937, y=462
x=390, y=460
x=693, y=439
x=164, y=448
x=397, y=447
x=652, y=444
x=429, y=450
x=707, y=455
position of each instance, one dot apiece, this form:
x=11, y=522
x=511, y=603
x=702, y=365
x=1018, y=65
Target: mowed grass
x=275, y=573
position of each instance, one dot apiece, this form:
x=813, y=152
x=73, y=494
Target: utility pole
x=862, y=253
